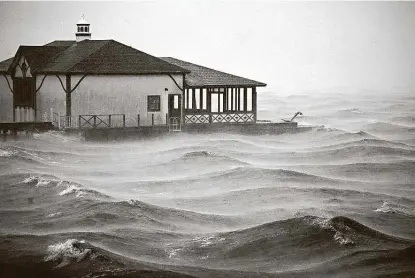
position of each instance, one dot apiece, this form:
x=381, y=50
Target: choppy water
x=335, y=201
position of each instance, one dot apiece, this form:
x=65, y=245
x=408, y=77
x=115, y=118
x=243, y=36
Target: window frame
x=149, y=107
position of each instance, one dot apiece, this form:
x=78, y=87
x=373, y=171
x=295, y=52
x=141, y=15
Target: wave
x=404, y=120
x=71, y=258
x=274, y=248
x=301, y=239
x=351, y=151
x=399, y=172
x=366, y=142
x=350, y=112
x=389, y=128
x=65, y=252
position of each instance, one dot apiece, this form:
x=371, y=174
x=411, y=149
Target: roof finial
x=83, y=16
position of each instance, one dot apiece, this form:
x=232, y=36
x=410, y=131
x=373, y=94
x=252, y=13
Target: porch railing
x=101, y=121
x=174, y=124
x=220, y=117
x=68, y=122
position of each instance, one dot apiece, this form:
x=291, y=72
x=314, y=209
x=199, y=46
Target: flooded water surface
x=338, y=200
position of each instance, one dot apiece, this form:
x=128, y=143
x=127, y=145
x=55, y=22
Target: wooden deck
x=157, y=131
x=108, y=133
x=27, y=127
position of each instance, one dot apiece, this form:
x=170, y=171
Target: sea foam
x=67, y=252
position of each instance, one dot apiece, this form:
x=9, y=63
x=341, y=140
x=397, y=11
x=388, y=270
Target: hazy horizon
x=294, y=47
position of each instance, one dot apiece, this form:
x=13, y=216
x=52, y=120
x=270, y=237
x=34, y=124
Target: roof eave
x=227, y=85
x=108, y=73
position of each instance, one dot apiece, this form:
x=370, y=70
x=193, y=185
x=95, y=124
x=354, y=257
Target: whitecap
x=54, y=214
x=67, y=252
x=72, y=189
x=386, y=208
x=342, y=239
x=7, y=153
x=173, y=252
x=38, y=181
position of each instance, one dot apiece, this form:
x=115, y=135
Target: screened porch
x=219, y=105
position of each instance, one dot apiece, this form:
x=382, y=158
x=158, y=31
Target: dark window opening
x=153, y=103
x=24, y=92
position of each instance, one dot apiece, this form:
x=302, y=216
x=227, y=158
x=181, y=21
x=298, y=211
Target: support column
x=209, y=104
x=254, y=103
x=194, y=99
x=68, y=96
x=182, y=101
x=245, y=92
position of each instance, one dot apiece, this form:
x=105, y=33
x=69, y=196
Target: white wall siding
x=50, y=98
x=6, y=100
x=124, y=94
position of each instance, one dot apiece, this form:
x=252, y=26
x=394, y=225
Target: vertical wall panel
x=197, y=98
x=214, y=102
x=221, y=102
x=190, y=98
x=249, y=99
x=204, y=98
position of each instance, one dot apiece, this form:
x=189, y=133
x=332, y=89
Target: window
x=153, y=103
x=176, y=102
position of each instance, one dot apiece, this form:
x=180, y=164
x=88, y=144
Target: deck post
x=109, y=120
x=123, y=120
x=209, y=104
x=138, y=120
x=245, y=90
x=167, y=123
x=254, y=103
x=152, y=119
x=79, y=121
x=4, y=135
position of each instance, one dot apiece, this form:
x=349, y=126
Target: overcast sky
x=294, y=47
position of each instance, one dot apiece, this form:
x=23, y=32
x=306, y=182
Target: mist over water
x=336, y=200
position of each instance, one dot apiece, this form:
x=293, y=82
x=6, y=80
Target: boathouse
x=88, y=83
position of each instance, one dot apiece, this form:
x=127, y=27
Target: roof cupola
x=83, y=30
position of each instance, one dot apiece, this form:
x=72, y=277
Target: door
x=175, y=109
x=175, y=106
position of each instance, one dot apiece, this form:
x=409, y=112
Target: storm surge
x=338, y=200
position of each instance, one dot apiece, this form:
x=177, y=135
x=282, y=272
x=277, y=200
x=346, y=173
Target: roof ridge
x=105, y=44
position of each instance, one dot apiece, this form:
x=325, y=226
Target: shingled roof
x=37, y=56
x=4, y=65
x=113, y=57
x=90, y=57
x=200, y=76
x=61, y=43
